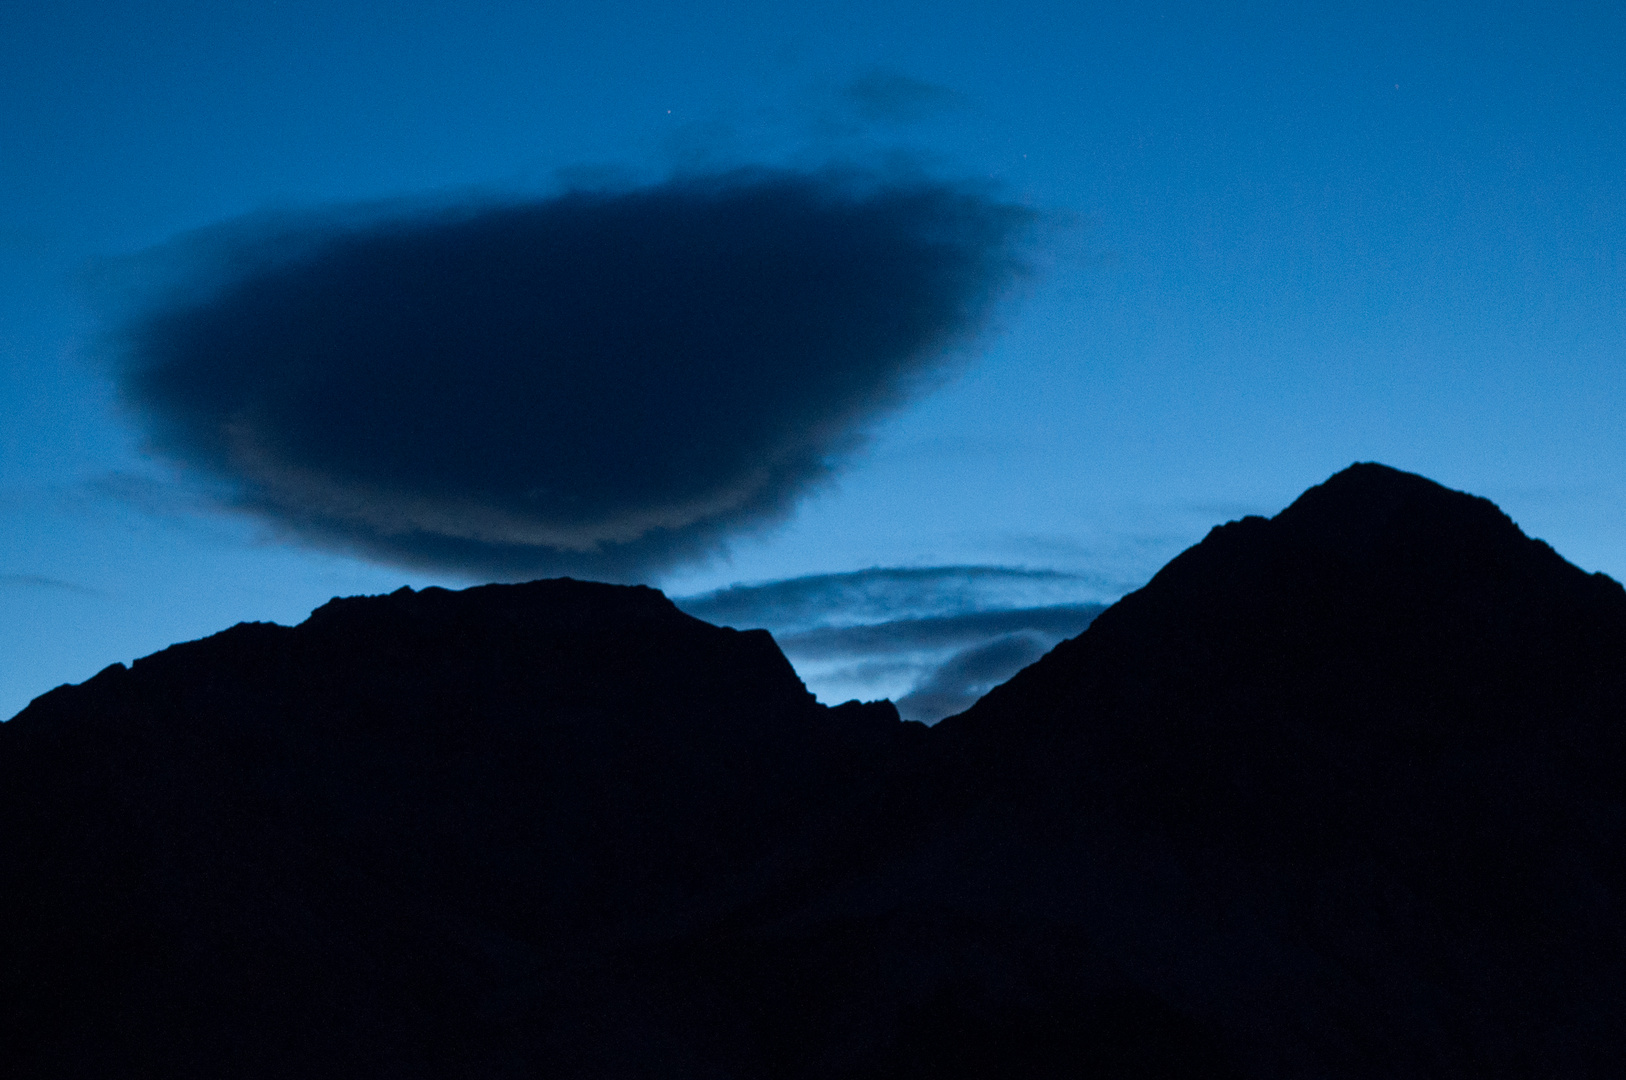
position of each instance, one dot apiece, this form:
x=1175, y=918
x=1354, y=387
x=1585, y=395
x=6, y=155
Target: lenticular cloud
x=603, y=383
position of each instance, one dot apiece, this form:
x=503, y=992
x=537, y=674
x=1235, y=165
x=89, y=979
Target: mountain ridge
x=1384, y=768
x=1337, y=794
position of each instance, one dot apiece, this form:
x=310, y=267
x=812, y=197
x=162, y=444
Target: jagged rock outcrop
x=1337, y=794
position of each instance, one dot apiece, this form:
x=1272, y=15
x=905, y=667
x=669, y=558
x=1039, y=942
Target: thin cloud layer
x=599, y=383
x=934, y=639
x=887, y=594
x=48, y=584
x=940, y=632
x=957, y=683
x=883, y=96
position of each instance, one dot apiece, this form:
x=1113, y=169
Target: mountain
x=1348, y=784
x=406, y=837
x=1337, y=794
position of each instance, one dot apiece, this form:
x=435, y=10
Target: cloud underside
x=599, y=383
x=934, y=639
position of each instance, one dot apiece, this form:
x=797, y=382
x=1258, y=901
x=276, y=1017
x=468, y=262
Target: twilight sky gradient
x=1266, y=241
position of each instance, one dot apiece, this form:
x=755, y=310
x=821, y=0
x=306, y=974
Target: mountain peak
x=1336, y=794
x=1374, y=567
x=1370, y=507
x=1386, y=718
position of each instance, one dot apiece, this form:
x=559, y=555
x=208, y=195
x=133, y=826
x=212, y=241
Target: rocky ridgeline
x=1338, y=794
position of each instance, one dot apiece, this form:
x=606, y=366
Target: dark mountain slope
x=1349, y=784
x=407, y=835
x=1338, y=794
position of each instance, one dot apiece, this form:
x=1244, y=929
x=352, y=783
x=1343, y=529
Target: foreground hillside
x=1338, y=794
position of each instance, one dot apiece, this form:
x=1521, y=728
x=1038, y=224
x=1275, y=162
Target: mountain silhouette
x=1341, y=793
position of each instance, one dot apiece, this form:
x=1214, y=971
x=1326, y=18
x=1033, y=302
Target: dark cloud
x=933, y=638
x=956, y=684
x=890, y=97
x=602, y=383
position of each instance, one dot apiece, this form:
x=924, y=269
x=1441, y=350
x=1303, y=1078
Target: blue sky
x=1276, y=239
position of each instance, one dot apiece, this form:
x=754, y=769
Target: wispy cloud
x=47, y=584
x=886, y=594
x=955, y=685
x=891, y=97
x=933, y=639
x=939, y=632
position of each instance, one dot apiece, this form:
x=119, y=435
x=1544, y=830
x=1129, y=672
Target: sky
x=914, y=333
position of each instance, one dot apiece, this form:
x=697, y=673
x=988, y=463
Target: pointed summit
x=1373, y=512
x=1374, y=493
x=1364, y=757
x=1422, y=589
